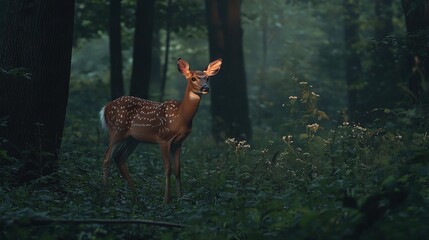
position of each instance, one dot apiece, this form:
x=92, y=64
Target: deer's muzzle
x=205, y=89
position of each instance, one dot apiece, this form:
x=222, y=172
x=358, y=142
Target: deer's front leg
x=176, y=153
x=165, y=152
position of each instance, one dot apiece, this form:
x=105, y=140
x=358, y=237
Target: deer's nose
x=205, y=89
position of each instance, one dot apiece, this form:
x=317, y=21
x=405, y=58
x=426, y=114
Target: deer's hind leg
x=106, y=165
x=122, y=151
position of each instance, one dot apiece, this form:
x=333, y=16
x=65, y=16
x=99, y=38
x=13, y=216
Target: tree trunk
x=116, y=77
x=381, y=87
x=229, y=92
x=142, y=56
x=264, y=29
x=38, y=37
x=156, y=62
x=384, y=14
x=352, y=59
x=167, y=50
x=385, y=74
x=417, y=22
x=2, y=18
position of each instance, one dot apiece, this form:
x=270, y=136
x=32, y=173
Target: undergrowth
x=317, y=177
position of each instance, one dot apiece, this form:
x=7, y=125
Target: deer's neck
x=189, y=106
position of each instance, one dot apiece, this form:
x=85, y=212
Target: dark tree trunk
x=264, y=29
x=381, y=88
x=417, y=22
x=142, y=56
x=230, y=109
x=38, y=37
x=115, y=44
x=384, y=14
x=156, y=62
x=167, y=49
x=416, y=14
x=352, y=58
x=216, y=37
x=215, y=33
x=385, y=74
x=2, y=18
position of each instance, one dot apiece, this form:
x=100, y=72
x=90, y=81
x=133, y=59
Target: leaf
x=305, y=96
x=420, y=158
x=308, y=216
x=303, y=136
x=322, y=115
x=388, y=182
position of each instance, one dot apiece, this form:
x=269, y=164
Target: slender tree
x=116, y=77
x=386, y=74
x=37, y=41
x=230, y=109
x=384, y=13
x=2, y=17
x=417, y=23
x=353, y=65
x=167, y=48
x=383, y=77
x=156, y=60
x=142, y=56
x=264, y=35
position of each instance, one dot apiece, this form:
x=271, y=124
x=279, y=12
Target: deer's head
x=198, y=81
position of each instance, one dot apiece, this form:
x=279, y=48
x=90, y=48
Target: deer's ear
x=214, y=67
x=183, y=67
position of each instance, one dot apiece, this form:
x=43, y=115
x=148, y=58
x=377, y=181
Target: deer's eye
x=194, y=79
x=207, y=80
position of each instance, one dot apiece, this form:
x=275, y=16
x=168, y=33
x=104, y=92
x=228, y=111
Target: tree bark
x=264, y=29
x=156, y=61
x=417, y=23
x=381, y=85
x=2, y=18
x=37, y=38
x=167, y=49
x=230, y=109
x=115, y=44
x=385, y=73
x=142, y=56
x=384, y=14
x=352, y=58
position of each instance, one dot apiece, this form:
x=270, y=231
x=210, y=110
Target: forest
x=309, y=119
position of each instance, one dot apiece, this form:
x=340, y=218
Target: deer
x=131, y=120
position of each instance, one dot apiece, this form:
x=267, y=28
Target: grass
x=330, y=180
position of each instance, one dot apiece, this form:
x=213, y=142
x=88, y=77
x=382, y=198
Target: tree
x=2, y=17
x=116, y=77
x=167, y=50
x=384, y=80
x=142, y=55
x=417, y=23
x=353, y=65
x=36, y=52
x=383, y=77
x=229, y=99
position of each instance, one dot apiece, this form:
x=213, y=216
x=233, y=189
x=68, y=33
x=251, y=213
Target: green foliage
x=92, y=18
x=17, y=72
x=318, y=181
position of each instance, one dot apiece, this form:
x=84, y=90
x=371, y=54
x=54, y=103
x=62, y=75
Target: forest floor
x=339, y=182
